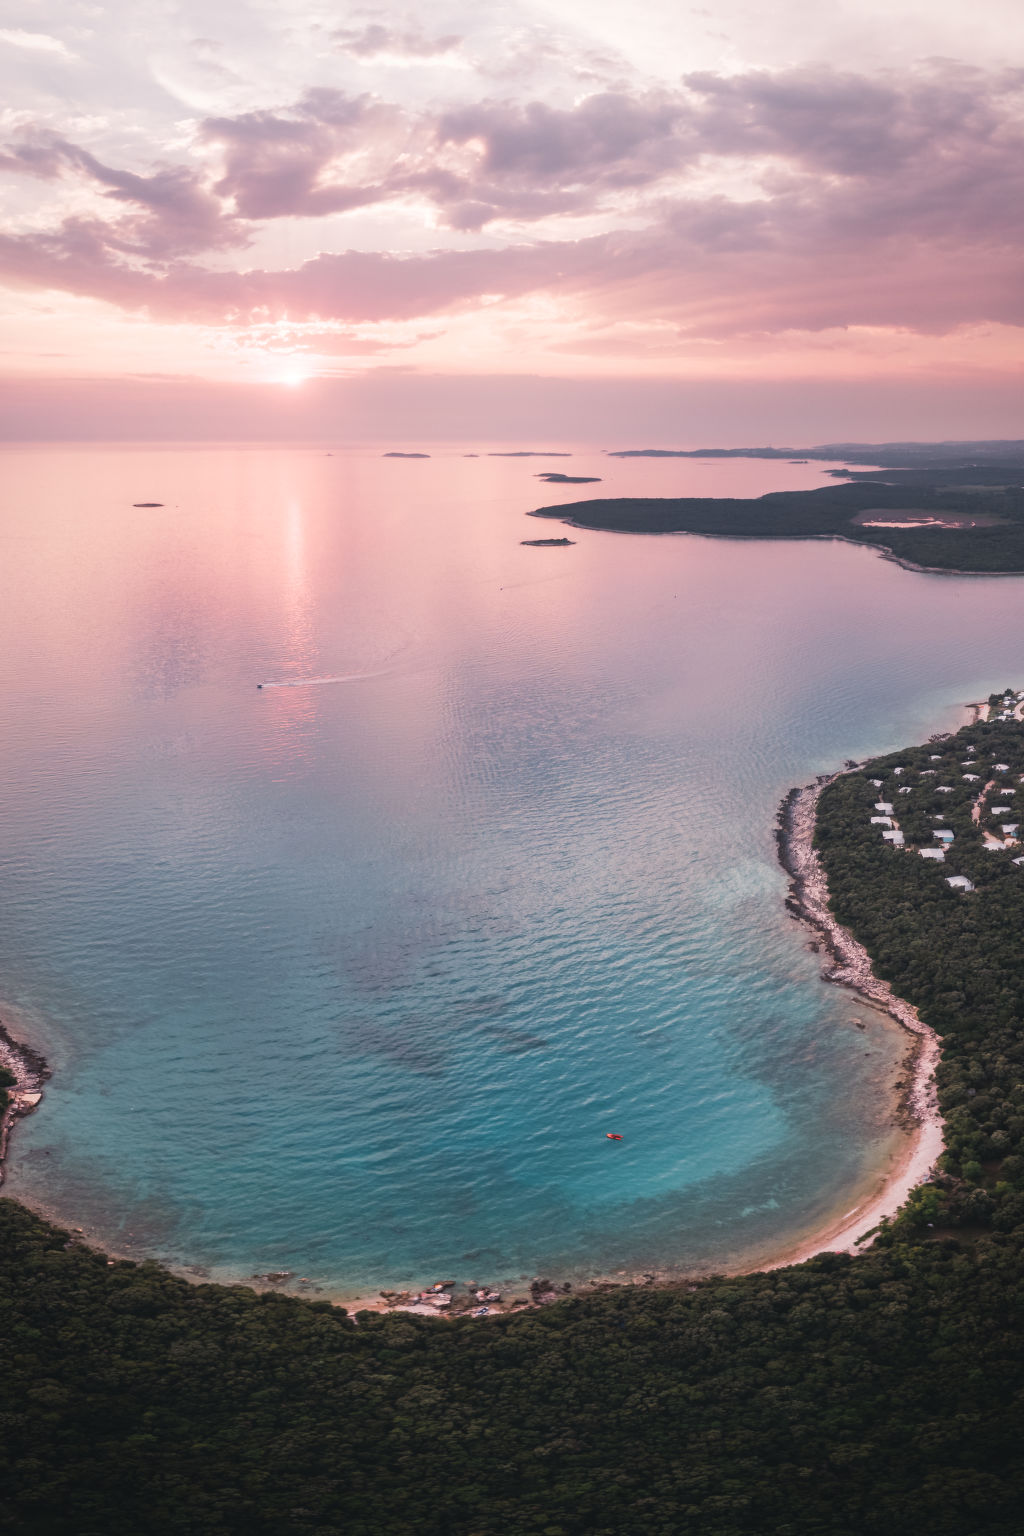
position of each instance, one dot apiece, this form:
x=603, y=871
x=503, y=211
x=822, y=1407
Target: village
x=994, y=808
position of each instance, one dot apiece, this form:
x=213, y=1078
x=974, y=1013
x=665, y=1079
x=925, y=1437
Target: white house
x=959, y=882
x=942, y=835
x=932, y=853
x=1001, y=767
x=943, y=789
x=896, y=838
x=973, y=777
x=885, y=806
x=1009, y=829
x=881, y=821
x=906, y=790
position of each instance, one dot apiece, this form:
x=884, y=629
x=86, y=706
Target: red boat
x=612, y=1136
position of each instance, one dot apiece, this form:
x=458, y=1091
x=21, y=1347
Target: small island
x=546, y=543
x=394, y=454
x=553, y=477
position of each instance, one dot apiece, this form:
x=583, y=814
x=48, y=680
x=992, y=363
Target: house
x=1002, y=810
x=973, y=777
x=906, y=790
x=881, y=821
x=1009, y=829
x=899, y=770
x=1001, y=767
x=877, y=783
x=928, y=772
x=885, y=806
x=943, y=789
x=936, y=757
x=1018, y=861
x=932, y=853
x=942, y=835
x=959, y=882
x=895, y=837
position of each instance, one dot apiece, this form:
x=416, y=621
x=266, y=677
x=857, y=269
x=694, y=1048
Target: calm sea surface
x=351, y=978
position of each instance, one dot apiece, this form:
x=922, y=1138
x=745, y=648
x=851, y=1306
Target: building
x=895, y=837
x=959, y=882
x=933, y=853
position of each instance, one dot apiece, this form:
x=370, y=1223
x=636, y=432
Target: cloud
x=36, y=42
x=371, y=41
x=892, y=201
x=167, y=214
x=328, y=153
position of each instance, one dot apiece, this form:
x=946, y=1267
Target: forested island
x=872, y=1394
x=927, y=512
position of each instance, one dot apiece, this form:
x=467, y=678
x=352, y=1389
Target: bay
x=351, y=974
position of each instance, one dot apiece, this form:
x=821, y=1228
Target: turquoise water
x=351, y=978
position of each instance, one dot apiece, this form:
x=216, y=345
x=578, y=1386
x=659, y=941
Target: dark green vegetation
x=829, y=512
x=880, y=1394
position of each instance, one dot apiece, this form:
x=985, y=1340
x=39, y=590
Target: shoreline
x=847, y=964
x=777, y=538
x=30, y=1071
x=850, y=967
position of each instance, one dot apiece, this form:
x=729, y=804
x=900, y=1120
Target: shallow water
x=352, y=977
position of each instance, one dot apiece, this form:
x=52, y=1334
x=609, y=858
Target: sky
x=729, y=222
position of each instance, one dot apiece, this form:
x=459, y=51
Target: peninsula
x=956, y=507
x=971, y=528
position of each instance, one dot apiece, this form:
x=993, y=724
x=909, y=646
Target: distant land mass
x=555, y=477
x=1001, y=451
x=938, y=514
x=396, y=455
x=531, y=453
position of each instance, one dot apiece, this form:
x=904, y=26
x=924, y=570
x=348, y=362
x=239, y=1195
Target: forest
x=846, y=1395
x=829, y=512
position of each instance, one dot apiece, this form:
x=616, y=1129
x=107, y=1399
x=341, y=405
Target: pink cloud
x=891, y=201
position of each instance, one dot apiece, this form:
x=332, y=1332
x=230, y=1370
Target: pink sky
x=726, y=222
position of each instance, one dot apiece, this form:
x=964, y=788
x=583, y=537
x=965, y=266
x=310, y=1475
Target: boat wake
x=319, y=682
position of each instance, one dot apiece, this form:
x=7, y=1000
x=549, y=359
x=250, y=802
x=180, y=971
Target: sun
x=293, y=379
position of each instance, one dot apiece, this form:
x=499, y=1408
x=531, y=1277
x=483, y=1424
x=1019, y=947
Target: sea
x=351, y=974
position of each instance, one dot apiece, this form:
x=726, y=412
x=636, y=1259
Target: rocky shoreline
x=851, y=963
x=30, y=1071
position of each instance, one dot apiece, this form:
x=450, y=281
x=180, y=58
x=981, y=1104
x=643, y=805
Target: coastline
x=882, y=550
x=848, y=964
x=30, y=1071
x=851, y=967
